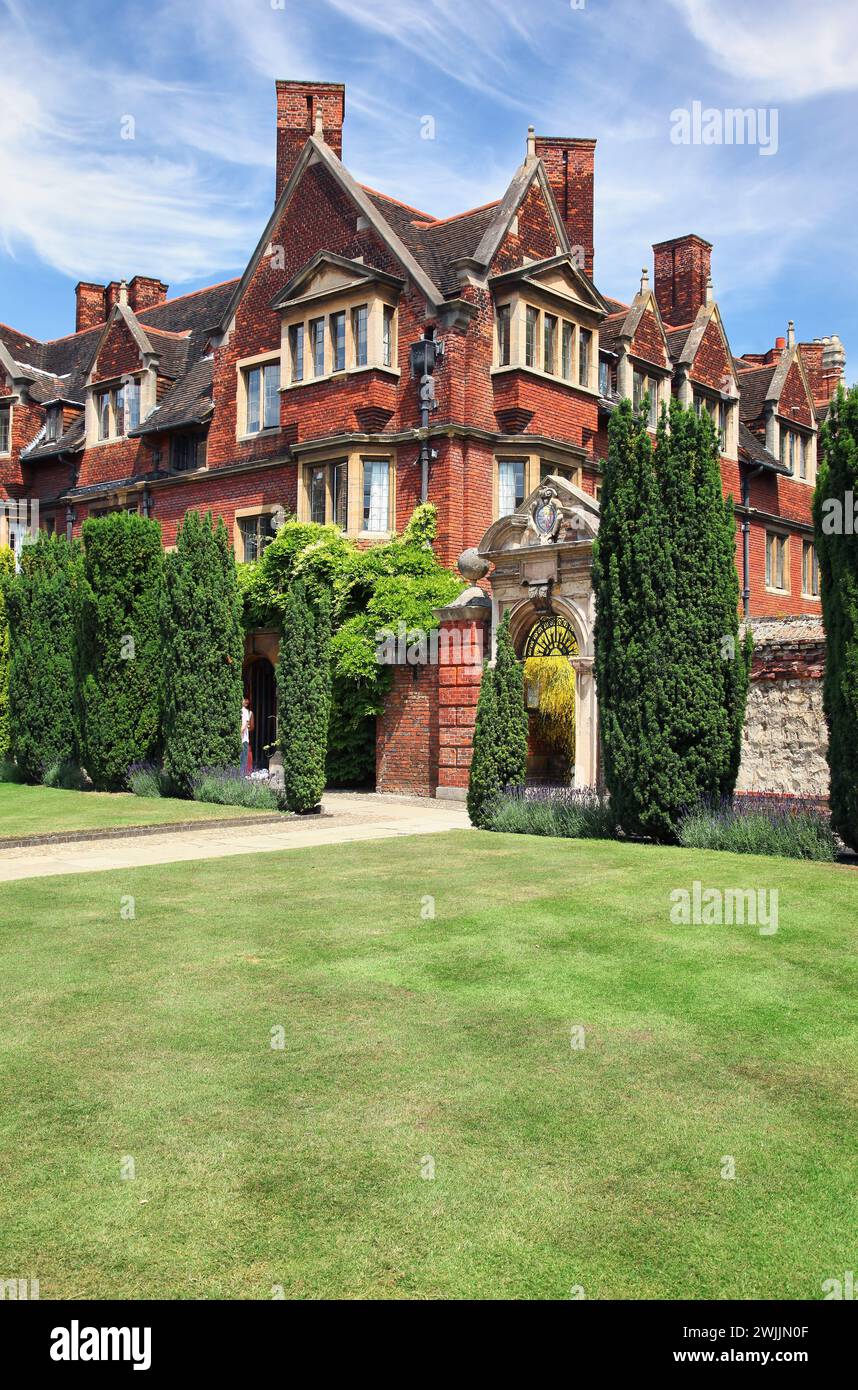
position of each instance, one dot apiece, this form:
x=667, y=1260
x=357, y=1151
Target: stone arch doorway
x=260, y=685
x=547, y=650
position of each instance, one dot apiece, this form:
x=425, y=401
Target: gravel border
x=124, y=832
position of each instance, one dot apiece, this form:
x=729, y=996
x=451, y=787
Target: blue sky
x=188, y=196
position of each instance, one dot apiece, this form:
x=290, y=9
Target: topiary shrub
x=7, y=571
x=304, y=696
x=121, y=656
x=837, y=546
x=203, y=653
x=499, y=756
x=42, y=603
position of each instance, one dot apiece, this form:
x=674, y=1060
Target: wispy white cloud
x=786, y=51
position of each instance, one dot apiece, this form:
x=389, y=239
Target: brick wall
x=406, y=749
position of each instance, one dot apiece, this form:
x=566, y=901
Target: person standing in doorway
x=246, y=731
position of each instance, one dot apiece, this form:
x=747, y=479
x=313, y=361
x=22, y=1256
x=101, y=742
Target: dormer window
x=5, y=429
x=794, y=453
x=332, y=324
x=54, y=424
x=719, y=412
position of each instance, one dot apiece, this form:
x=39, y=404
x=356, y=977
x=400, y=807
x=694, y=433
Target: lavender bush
x=226, y=786
x=761, y=823
x=569, y=812
x=146, y=779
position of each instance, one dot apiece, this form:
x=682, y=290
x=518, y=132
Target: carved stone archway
x=533, y=575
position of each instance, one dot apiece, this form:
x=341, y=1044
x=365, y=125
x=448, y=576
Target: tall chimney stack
x=298, y=105
x=89, y=305
x=569, y=164
x=682, y=271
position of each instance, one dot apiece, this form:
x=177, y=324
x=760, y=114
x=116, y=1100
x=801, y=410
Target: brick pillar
x=406, y=738
x=463, y=640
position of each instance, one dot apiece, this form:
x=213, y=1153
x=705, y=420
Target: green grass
x=408, y=1039
x=49, y=811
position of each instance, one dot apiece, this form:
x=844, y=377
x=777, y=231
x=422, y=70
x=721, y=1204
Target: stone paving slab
x=349, y=817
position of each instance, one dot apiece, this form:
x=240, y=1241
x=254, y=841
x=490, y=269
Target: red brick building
x=291, y=388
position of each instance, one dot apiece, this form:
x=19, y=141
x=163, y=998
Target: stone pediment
x=327, y=274
x=568, y=517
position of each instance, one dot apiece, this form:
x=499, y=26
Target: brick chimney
x=89, y=305
x=297, y=105
x=144, y=292
x=825, y=362
x=682, y=270
x=569, y=166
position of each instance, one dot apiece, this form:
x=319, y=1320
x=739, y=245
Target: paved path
x=352, y=817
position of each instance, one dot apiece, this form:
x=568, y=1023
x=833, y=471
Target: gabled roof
x=71, y=442
x=189, y=402
x=620, y=327
x=754, y=391
x=753, y=450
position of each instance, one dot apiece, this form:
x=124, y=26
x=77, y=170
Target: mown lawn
x=50, y=811
x=413, y=1045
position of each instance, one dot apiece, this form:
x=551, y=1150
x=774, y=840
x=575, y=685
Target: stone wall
x=785, y=737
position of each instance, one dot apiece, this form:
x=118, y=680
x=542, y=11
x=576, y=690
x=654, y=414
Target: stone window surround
x=568, y=310
x=808, y=433
x=532, y=469
x=772, y=532
x=324, y=306
x=148, y=379
x=242, y=367
x=354, y=458
x=242, y=513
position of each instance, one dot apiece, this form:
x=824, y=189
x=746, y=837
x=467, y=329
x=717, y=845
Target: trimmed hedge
x=203, y=653
x=304, y=695
x=43, y=602
x=121, y=656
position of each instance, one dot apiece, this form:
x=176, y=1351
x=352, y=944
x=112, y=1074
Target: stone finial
x=531, y=142
x=644, y=280
x=472, y=566
x=790, y=334
x=317, y=126
x=123, y=292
